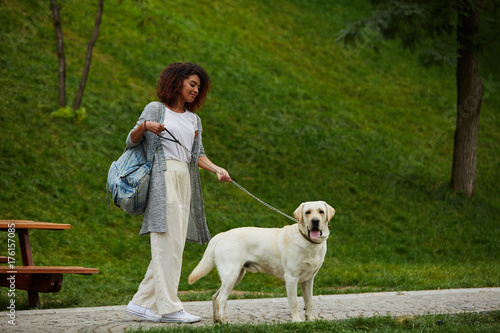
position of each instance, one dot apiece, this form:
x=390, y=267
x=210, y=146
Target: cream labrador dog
x=293, y=253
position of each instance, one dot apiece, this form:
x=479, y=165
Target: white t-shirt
x=183, y=126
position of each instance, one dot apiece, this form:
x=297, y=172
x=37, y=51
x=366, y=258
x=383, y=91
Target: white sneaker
x=179, y=317
x=139, y=311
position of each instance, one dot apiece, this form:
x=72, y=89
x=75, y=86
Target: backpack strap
x=151, y=156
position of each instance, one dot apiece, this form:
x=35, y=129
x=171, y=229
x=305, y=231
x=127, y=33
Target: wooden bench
x=27, y=276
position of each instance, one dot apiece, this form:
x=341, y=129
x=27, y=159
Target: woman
x=174, y=211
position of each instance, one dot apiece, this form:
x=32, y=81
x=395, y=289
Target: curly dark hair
x=172, y=78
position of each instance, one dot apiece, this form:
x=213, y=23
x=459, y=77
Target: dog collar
x=308, y=238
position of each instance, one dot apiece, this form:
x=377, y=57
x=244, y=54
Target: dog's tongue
x=314, y=234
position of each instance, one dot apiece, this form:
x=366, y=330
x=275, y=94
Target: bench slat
x=22, y=224
x=49, y=270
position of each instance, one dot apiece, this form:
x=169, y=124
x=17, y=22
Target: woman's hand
x=223, y=175
x=153, y=127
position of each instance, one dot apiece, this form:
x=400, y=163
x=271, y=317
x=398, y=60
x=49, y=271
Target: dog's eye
x=321, y=212
x=308, y=212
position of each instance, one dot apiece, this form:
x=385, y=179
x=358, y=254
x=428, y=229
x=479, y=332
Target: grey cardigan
x=155, y=215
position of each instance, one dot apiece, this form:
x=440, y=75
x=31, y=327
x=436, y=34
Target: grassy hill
x=291, y=115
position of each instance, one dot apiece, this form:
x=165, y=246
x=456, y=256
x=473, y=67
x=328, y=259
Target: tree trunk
x=469, y=99
x=60, y=53
x=88, y=57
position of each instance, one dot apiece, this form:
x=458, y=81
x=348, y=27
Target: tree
x=448, y=31
x=60, y=53
x=62, y=60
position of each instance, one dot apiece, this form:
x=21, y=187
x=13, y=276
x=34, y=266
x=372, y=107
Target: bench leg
x=34, y=283
x=34, y=299
x=24, y=243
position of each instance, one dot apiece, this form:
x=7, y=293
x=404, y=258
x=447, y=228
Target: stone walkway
x=273, y=310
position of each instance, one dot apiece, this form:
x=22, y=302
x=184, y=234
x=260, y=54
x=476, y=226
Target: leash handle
x=174, y=139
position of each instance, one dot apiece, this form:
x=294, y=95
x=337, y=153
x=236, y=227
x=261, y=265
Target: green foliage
x=428, y=28
x=68, y=113
x=292, y=115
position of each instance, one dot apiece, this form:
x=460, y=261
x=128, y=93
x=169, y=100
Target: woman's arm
x=138, y=132
x=206, y=164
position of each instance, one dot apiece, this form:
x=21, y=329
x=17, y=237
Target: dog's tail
x=207, y=262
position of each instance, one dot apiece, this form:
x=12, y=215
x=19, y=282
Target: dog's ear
x=330, y=211
x=298, y=213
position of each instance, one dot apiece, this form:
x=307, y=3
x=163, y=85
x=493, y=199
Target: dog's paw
x=222, y=321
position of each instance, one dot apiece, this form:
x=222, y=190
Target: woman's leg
x=145, y=295
x=167, y=248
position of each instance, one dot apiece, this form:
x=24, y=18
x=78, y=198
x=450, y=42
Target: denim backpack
x=128, y=179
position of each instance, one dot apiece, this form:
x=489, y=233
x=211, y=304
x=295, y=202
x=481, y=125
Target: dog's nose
x=315, y=222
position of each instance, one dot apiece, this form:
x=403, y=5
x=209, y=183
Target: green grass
x=292, y=116
x=463, y=323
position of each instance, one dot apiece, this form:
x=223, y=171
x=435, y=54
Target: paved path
x=271, y=310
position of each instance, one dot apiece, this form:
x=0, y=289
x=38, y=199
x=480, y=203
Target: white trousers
x=158, y=289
